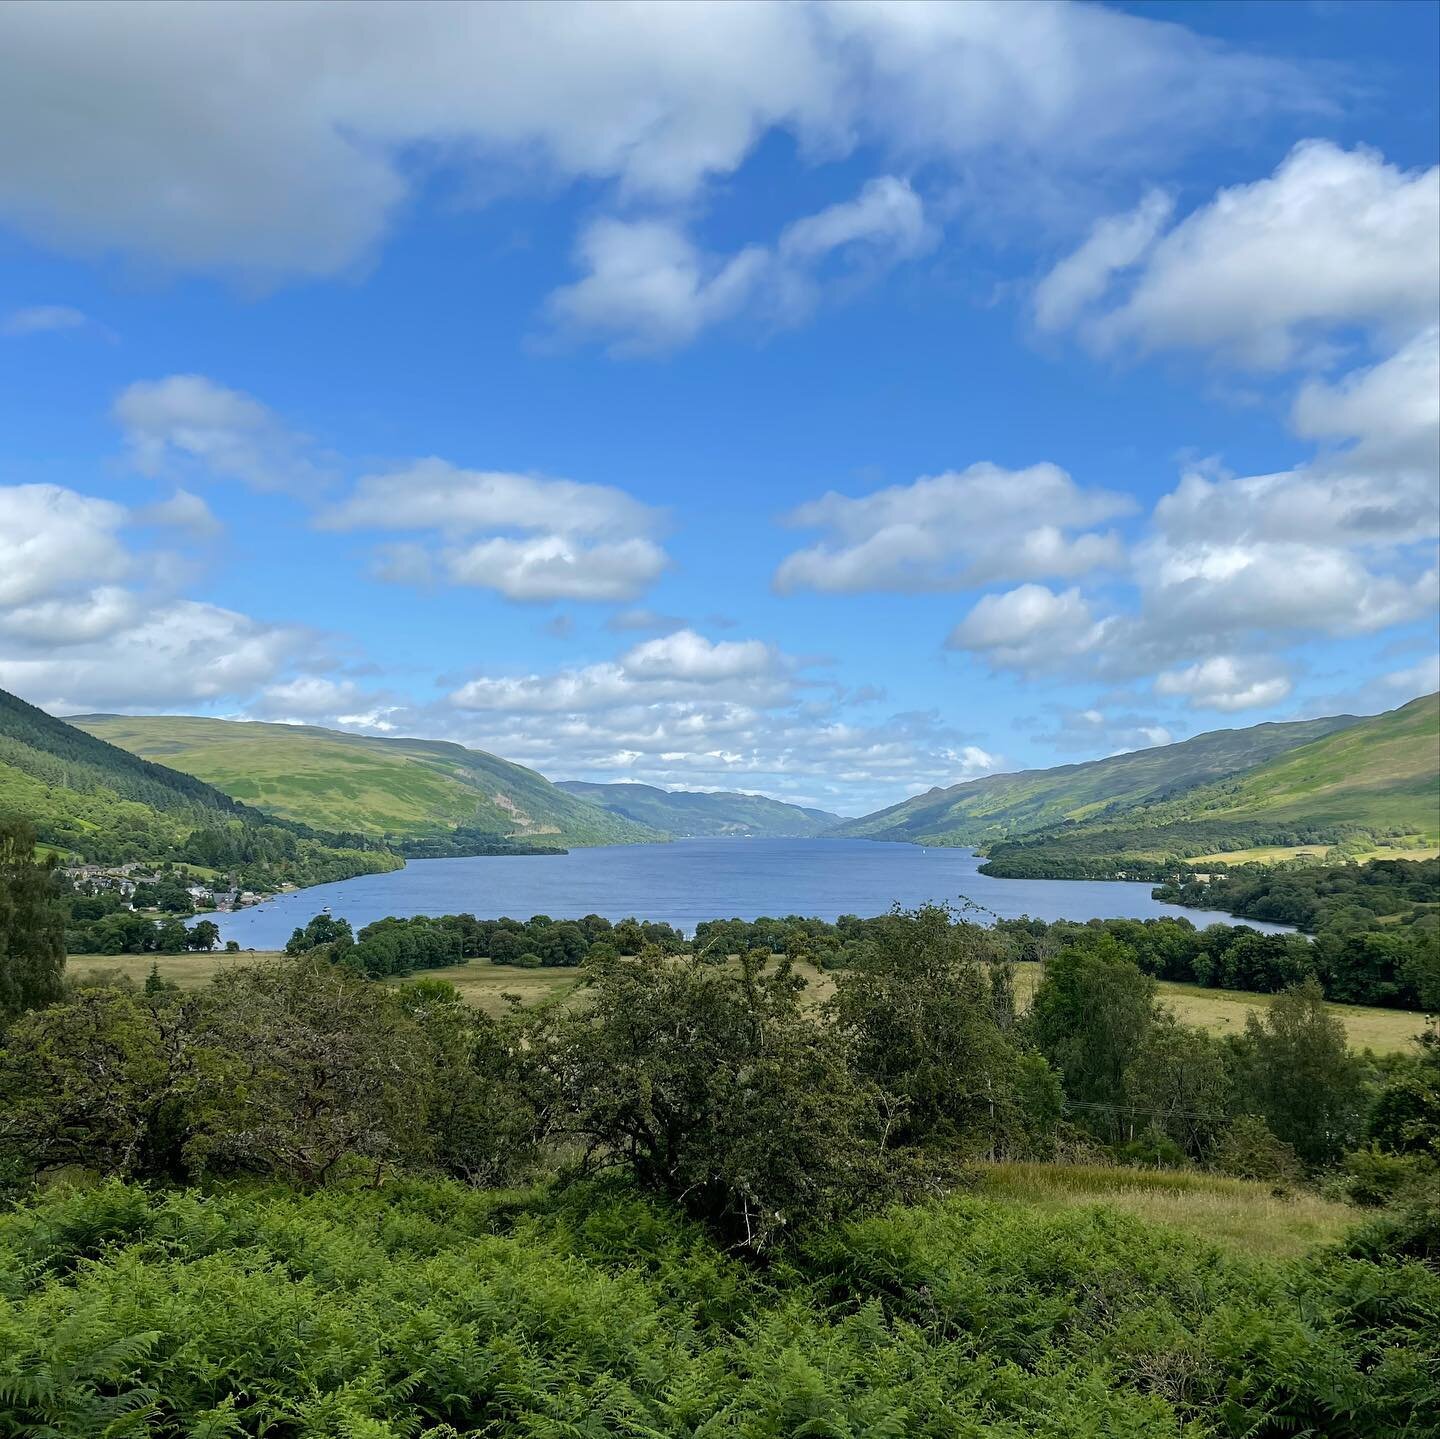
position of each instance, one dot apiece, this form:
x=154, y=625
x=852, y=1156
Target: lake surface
x=697, y=879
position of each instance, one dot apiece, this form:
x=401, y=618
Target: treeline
x=398, y=946
x=1320, y=896
x=465, y=843
x=1156, y=853
x=1397, y=967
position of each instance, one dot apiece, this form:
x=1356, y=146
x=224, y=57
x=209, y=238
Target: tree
x=1090, y=1018
x=32, y=924
x=102, y=1082
x=717, y=1089
x=1178, y=1081
x=204, y=934
x=1295, y=1070
x=920, y=1013
x=312, y=1074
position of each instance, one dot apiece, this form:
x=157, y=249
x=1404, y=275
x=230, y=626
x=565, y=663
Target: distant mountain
x=1375, y=781
x=380, y=787
x=1000, y=806
x=691, y=813
x=94, y=800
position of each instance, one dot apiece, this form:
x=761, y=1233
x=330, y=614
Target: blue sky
x=823, y=400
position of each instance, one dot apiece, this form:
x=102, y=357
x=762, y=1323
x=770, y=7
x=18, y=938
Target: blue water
x=698, y=879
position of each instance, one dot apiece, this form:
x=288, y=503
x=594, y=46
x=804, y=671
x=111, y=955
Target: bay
x=692, y=880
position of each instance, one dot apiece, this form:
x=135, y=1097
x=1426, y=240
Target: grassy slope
x=362, y=783
x=1381, y=774
x=984, y=810
x=689, y=813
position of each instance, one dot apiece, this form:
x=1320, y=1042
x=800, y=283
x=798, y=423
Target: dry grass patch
x=1242, y=1215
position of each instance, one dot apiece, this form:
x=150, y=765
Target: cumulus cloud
x=1228, y=683
x=1030, y=627
x=53, y=538
x=72, y=637
x=557, y=567
x=1334, y=238
x=189, y=423
x=584, y=541
x=956, y=530
x=351, y=108
x=179, y=652
x=684, y=666
x=43, y=319
x=650, y=288
x=308, y=697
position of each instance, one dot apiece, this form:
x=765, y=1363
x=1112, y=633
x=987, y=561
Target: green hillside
x=690, y=813
x=396, y=787
x=983, y=811
x=1376, y=780
x=95, y=801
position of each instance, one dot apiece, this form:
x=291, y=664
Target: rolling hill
x=93, y=800
x=692, y=813
x=402, y=788
x=997, y=807
x=1375, y=780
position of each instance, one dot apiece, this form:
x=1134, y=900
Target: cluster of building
x=123, y=878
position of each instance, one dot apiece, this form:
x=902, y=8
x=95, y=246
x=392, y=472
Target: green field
x=363, y=784
x=485, y=985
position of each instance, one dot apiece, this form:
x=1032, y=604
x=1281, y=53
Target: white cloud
x=1114, y=244
x=43, y=319
x=1333, y=239
x=1030, y=627
x=1226, y=683
x=649, y=287
x=180, y=652
x=350, y=108
x=309, y=697
x=433, y=494
x=676, y=668
x=52, y=538
x=190, y=423
x=72, y=619
x=183, y=511
x=955, y=530
x=557, y=567
x=587, y=542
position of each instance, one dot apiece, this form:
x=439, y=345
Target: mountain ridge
x=698, y=813
x=994, y=807
x=382, y=786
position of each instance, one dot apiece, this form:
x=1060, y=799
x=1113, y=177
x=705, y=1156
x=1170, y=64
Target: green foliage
x=394, y=946
x=402, y=1311
x=1249, y=1149
x=1091, y=1017
x=32, y=924
x=717, y=1089
x=917, y=1009
x=1295, y=1070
